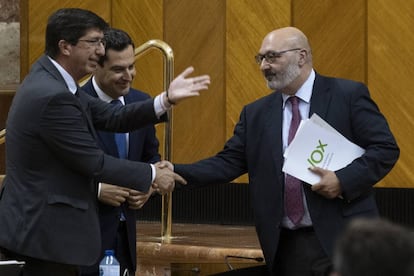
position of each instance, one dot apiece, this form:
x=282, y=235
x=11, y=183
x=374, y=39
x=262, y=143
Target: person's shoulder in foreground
x=372, y=247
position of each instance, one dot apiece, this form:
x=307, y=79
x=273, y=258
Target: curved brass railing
x=166, y=215
x=2, y=141
x=2, y=136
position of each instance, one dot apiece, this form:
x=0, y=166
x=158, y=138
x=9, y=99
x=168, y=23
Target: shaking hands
x=164, y=182
x=165, y=178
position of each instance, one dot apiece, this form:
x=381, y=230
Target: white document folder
x=318, y=144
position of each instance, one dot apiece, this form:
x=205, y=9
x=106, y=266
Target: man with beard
x=297, y=233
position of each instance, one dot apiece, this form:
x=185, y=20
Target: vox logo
x=318, y=154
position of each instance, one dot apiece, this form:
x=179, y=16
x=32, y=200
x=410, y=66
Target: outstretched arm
x=183, y=87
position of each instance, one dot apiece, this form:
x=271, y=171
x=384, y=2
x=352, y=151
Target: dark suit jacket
x=48, y=205
x=143, y=146
x=256, y=148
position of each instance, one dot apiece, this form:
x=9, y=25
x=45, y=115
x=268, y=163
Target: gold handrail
x=166, y=213
x=2, y=136
x=2, y=141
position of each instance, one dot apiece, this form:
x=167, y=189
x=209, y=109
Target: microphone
x=257, y=259
x=193, y=270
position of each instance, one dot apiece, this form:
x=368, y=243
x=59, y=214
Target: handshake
x=164, y=182
x=166, y=177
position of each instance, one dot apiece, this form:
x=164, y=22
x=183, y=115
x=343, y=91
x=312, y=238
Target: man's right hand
x=184, y=87
x=165, y=179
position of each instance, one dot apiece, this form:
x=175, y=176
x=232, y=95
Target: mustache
x=268, y=73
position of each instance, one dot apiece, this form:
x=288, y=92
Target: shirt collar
x=70, y=82
x=305, y=91
x=102, y=95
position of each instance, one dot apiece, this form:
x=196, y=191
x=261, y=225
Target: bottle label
x=109, y=270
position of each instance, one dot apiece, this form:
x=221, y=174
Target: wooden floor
x=195, y=249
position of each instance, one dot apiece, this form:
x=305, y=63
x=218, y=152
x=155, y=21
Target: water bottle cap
x=109, y=252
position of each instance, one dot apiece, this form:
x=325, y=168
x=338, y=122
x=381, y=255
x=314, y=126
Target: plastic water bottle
x=109, y=266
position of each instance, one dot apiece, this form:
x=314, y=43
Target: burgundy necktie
x=293, y=190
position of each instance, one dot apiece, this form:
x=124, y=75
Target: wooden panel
x=5, y=102
x=390, y=63
x=143, y=20
x=337, y=34
x=195, y=30
x=350, y=39
x=36, y=13
x=247, y=24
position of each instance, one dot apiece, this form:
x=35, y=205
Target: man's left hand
x=329, y=185
x=137, y=199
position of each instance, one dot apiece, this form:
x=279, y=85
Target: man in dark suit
x=112, y=81
x=48, y=202
x=301, y=244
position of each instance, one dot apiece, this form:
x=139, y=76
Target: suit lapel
x=319, y=104
x=273, y=129
x=84, y=102
x=106, y=139
x=45, y=62
x=48, y=65
x=320, y=97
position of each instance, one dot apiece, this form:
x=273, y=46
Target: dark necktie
x=120, y=138
x=293, y=187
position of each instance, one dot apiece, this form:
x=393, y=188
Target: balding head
x=286, y=38
x=285, y=59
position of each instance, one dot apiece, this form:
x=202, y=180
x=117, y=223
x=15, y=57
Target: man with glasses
x=297, y=223
x=96, y=42
x=48, y=202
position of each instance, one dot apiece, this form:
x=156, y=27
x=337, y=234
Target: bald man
x=297, y=233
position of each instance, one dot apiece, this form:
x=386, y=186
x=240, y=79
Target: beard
x=278, y=81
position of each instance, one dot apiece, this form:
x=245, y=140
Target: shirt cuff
x=159, y=107
x=99, y=189
x=154, y=173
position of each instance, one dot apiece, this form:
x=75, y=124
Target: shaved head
x=285, y=59
x=286, y=38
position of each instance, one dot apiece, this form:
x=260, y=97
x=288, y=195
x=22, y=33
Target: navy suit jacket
x=48, y=203
x=143, y=146
x=256, y=148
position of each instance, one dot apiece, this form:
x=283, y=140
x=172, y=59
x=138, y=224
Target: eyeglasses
x=94, y=42
x=271, y=56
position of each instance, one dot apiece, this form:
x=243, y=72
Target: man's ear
x=65, y=47
x=303, y=57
